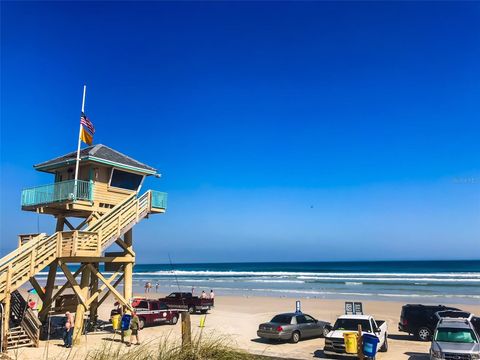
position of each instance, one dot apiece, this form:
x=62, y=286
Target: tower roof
x=100, y=154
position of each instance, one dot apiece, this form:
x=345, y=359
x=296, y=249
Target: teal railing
x=59, y=191
x=159, y=199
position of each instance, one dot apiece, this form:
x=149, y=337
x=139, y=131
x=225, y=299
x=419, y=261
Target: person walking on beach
x=135, y=328
x=204, y=295
x=67, y=336
x=157, y=285
x=212, y=295
x=125, y=323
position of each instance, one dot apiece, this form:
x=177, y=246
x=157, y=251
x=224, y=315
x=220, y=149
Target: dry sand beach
x=238, y=317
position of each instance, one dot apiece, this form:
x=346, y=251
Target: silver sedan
x=293, y=327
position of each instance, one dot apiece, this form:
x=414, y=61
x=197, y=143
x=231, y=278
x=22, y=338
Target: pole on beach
x=186, y=330
x=360, y=343
x=79, y=143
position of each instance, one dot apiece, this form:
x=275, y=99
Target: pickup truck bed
x=186, y=301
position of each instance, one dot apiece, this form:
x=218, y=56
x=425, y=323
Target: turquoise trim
x=98, y=160
x=159, y=199
x=59, y=191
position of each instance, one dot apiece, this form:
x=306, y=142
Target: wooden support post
x=186, y=330
x=47, y=301
x=74, y=243
x=81, y=309
x=52, y=273
x=360, y=343
x=94, y=290
x=128, y=268
x=6, y=308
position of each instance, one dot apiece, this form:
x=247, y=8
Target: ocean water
x=408, y=281
x=413, y=281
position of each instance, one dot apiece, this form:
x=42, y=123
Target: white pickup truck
x=334, y=343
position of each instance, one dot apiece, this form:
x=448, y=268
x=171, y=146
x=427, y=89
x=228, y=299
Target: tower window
x=125, y=180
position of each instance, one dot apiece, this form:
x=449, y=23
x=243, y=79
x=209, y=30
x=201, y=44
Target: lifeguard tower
x=107, y=203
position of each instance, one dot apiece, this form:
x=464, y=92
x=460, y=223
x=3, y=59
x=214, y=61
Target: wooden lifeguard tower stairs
x=107, y=203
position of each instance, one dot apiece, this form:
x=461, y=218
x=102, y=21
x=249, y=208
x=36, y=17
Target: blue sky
x=284, y=131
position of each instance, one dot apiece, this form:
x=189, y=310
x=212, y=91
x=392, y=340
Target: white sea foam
x=295, y=274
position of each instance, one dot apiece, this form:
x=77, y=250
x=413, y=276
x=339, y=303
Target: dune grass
x=166, y=348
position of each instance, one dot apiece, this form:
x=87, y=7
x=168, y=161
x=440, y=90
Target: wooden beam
x=125, y=246
x=73, y=283
x=110, y=287
x=96, y=259
x=81, y=308
x=82, y=224
x=52, y=273
x=107, y=293
x=47, y=305
x=37, y=288
x=128, y=268
x=101, y=288
x=70, y=226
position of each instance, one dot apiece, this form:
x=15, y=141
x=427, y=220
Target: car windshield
x=455, y=335
x=281, y=319
x=351, y=324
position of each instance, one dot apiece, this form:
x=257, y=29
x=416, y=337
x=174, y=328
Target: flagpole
x=79, y=143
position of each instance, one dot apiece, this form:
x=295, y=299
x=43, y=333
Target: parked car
x=186, y=301
x=420, y=320
x=334, y=342
x=151, y=312
x=455, y=339
x=292, y=327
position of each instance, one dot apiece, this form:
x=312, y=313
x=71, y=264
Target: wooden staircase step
x=16, y=335
x=19, y=345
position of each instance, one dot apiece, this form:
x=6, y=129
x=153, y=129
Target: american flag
x=85, y=121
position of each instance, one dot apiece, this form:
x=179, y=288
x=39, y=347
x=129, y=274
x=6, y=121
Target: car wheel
x=295, y=337
x=424, y=334
x=384, y=347
x=325, y=331
x=191, y=309
x=174, y=320
x=141, y=323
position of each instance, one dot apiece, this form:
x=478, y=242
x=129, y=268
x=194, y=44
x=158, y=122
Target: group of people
x=204, y=295
x=149, y=286
x=130, y=326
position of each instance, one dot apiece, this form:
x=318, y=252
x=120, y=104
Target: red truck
x=154, y=312
x=186, y=301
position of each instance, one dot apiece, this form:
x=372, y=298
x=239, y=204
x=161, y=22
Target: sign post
x=298, y=306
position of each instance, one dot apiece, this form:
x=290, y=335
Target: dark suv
x=420, y=320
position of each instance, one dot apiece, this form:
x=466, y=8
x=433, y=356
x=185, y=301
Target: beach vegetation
x=209, y=347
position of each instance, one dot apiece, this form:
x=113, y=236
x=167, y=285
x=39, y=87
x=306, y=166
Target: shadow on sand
x=401, y=337
x=417, y=356
x=268, y=341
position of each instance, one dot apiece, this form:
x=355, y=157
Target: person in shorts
x=135, y=328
